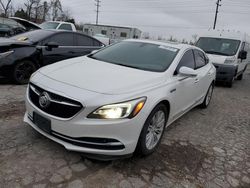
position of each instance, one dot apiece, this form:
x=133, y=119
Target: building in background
x=112, y=32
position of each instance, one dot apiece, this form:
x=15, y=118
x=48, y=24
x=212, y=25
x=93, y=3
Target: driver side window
x=187, y=61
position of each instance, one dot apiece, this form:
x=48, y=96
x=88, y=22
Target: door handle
x=196, y=80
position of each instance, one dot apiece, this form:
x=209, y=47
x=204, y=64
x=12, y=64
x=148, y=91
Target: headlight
x=229, y=61
x=127, y=109
x=5, y=54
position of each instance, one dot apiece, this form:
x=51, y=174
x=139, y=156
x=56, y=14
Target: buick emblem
x=44, y=100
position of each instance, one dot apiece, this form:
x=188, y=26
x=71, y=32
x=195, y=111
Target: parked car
x=23, y=54
x=13, y=26
x=58, y=25
x=229, y=53
x=26, y=23
x=119, y=99
x=10, y=27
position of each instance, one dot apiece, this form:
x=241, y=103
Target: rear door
x=204, y=77
x=64, y=51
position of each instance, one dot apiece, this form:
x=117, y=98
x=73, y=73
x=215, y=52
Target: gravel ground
x=204, y=149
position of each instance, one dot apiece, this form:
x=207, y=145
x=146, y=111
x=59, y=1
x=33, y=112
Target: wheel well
x=167, y=104
x=36, y=63
x=213, y=82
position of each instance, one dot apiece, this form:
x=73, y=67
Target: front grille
x=59, y=106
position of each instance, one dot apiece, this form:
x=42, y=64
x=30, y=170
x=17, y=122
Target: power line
x=216, y=12
x=97, y=10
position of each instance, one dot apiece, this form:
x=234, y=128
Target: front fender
x=20, y=54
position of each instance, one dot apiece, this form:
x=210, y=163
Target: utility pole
x=97, y=10
x=216, y=13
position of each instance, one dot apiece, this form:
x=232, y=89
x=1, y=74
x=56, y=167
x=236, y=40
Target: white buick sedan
x=118, y=100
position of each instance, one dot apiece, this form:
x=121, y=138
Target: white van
x=228, y=51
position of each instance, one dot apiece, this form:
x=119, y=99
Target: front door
x=64, y=51
x=184, y=88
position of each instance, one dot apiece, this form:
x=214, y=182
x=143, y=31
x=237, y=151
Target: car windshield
x=139, y=55
x=49, y=25
x=33, y=36
x=219, y=46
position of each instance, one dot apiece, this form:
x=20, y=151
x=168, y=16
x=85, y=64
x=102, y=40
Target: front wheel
x=208, y=97
x=22, y=72
x=153, y=130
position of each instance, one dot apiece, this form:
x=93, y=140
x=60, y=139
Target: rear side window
x=200, y=59
x=65, y=27
x=186, y=61
x=82, y=40
x=97, y=43
x=63, y=39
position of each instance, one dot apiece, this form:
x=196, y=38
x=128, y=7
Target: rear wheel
x=153, y=130
x=22, y=71
x=208, y=97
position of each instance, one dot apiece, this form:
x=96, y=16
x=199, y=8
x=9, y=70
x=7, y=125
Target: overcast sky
x=180, y=18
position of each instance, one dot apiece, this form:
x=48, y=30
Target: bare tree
x=37, y=9
x=56, y=9
x=195, y=37
x=172, y=39
x=66, y=15
x=29, y=6
x=5, y=5
x=45, y=10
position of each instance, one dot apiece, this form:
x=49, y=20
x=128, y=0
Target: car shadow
x=5, y=81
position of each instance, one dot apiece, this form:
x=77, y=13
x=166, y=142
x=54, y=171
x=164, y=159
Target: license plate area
x=42, y=122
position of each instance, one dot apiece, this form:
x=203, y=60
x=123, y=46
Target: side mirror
x=187, y=72
x=51, y=45
x=242, y=55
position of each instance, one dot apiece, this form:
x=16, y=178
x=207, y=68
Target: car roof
x=168, y=43
x=59, y=22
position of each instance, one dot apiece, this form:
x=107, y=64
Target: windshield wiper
x=218, y=53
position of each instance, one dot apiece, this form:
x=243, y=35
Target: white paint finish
x=96, y=84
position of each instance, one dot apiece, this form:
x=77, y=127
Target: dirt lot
x=205, y=148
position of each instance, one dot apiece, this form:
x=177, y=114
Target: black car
x=13, y=26
x=23, y=54
x=10, y=27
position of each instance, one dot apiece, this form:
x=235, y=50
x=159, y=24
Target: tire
x=149, y=130
x=22, y=71
x=208, y=97
x=240, y=77
x=229, y=84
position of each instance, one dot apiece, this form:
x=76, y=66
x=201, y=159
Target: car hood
x=219, y=59
x=101, y=77
x=27, y=24
x=10, y=42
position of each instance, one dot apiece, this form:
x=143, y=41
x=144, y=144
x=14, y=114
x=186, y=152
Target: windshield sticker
x=22, y=38
x=168, y=48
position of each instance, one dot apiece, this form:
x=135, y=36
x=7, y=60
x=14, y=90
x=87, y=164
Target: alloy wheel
x=155, y=129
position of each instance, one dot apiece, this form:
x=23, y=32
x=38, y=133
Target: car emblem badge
x=44, y=100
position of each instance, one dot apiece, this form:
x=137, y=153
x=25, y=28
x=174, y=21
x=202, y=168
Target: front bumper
x=225, y=73
x=124, y=133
